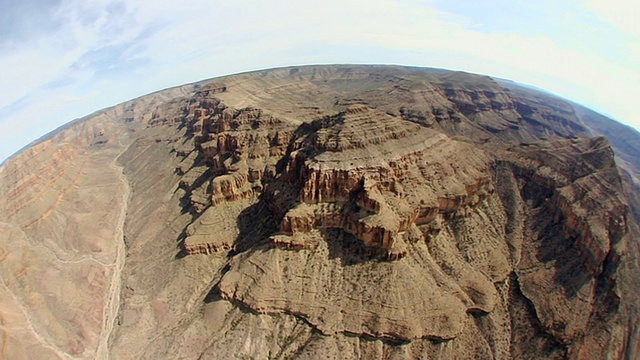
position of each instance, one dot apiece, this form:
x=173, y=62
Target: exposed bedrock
x=324, y=212
x=363, y=200
x=371, y=222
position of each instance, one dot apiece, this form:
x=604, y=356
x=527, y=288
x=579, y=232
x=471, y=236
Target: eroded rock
x=323, y=212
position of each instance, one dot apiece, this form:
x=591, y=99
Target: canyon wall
x=323, y=212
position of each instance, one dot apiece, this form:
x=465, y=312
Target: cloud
x=89, y=55
x=54, y=52
x=50, y=70
x=28, y=119
x=621, y=14
x=23, y=20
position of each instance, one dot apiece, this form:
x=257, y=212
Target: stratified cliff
x=325, y=212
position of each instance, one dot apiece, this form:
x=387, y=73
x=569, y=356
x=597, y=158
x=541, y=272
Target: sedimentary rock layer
x=324, y=212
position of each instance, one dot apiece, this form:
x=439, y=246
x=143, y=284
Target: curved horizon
x=64, y=59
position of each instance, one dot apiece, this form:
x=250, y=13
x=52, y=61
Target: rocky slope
x=325, y=212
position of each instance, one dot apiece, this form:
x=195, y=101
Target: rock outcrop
x=324, y=212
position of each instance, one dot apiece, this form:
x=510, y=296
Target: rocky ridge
x=350, y=212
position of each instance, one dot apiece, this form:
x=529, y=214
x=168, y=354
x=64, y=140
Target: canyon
x=337, y=211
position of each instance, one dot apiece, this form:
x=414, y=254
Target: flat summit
x=325, y=212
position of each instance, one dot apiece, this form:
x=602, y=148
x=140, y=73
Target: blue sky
x=63, y=59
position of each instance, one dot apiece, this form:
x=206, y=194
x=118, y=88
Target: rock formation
x=325, y=212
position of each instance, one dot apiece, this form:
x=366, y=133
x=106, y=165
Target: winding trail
x=112, y=303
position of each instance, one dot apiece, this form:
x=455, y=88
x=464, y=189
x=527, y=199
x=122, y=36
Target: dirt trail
x=112, y=302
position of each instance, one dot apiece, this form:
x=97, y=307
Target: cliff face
x=345, y=212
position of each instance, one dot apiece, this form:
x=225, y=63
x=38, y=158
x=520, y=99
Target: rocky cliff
x=324, y=212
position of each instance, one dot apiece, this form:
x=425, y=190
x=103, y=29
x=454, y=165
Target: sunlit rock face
x=325, y=212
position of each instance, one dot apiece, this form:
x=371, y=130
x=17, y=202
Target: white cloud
x=622, y=14
x=109, y=51
x=26, y=69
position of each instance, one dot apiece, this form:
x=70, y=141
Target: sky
x=64, y=59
